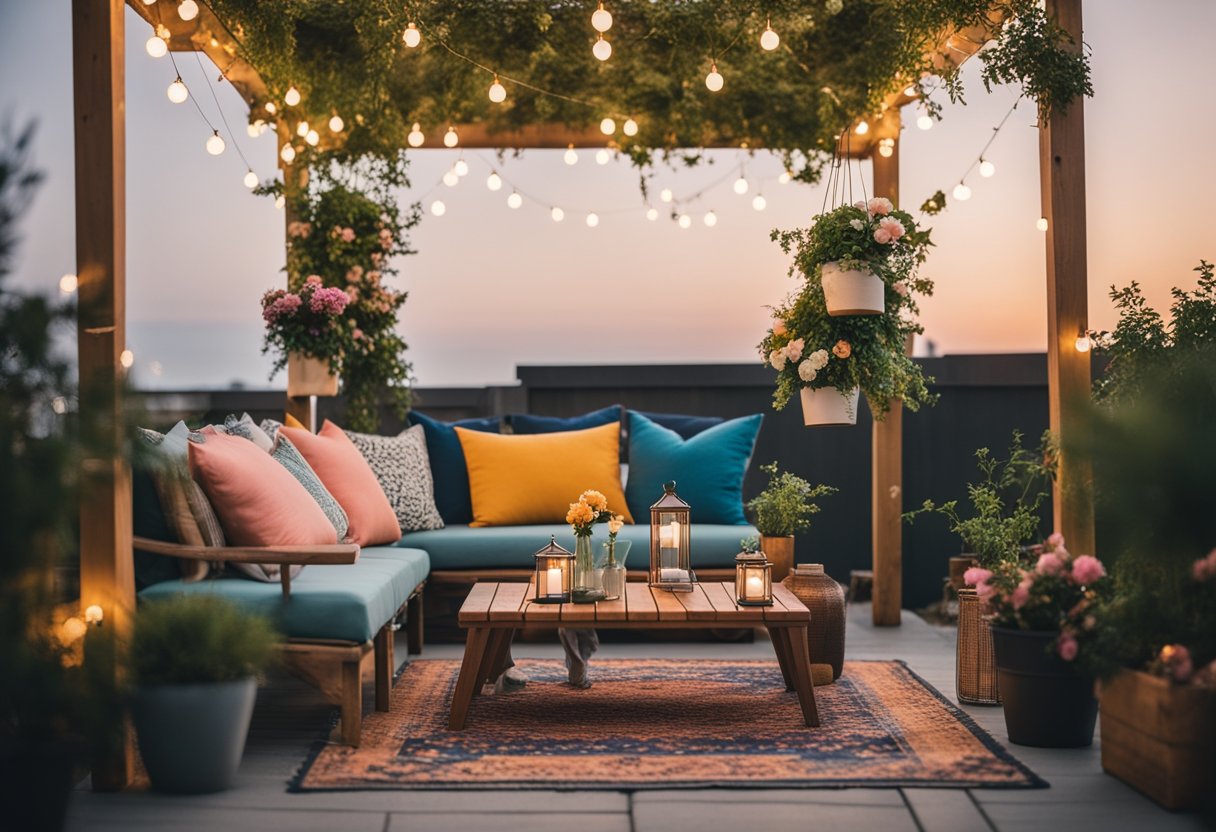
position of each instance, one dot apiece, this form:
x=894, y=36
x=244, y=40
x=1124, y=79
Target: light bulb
x=557, y=213
x=253, y=130
x=862, y=127
x=886, y=147
x=652, y=214
x=187, y=10
x=127, y=359
x=925, y=122
x=411, y=36
x=601, y=19
x=713, y=81
x=1041, y=223
x=451, y=179
x=336, y=124
x=910, y=91
x=685, y=221
x=415, y=138
x=608, y=126
x=498, y=93
x=292, y=97
x=1083, y=343
x=987, y=169
x=68, y=284
x=630, y=127
x=602, y=157
x=769, y=39
x=514, y=200
x=251, y=180
x=602, y=49
x=73, y=630
x=785, y=178
x=665, y=195
x=94, y=614
x=461, y=167
x=438, y=208
x=593, y=219
x=215, y=144
x=177, y=91
x=280, y=201
x=759, y=203
x=741, y=186
x=288, y=154
x=570, y=157
x=313, y=138
x=302, y=129
x=156, y=46
x=271, y=108
x=450, y=139
x=961, y=192
x=494, y=181
x=710, y=219
x=149, y=2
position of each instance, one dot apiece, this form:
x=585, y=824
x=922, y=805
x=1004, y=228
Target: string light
x=254, y=129
x=302, y=129
x=910, y=91
x=336, y=124
x=450, y=139
x=68, y=284
x=187, y=10
x=498, y=93
x=685, y=221
x=741, y=185
x=557, y=213
x=785, y=178
x=593, y=219
x=924, y=121
x=608, y=126
x=862, y=127
x=665, y=195
x=292, y=97
x=652, y=214
x=514, y=200
x=271, y=108
x=1041, y=223
x=313, y=138
x=177, y=91
x=94, y=614
x=768, y=38
x=494, y=181
x=451, y=179
x=961, y=192
x=438, y=208
x=570, y=156
x=156, y=46
x=714, y=80
x=1083, y=342
x=759, y=203
x=601, y=19
x=461, y=167
x=251, y=180
x=280, y=201
x=411, y=36
x=710, y=219
x=886, y=147
x=602, y=157
x=987, y=169
x=215, y=144
x=602, y=49
x=127, y=359
x=288, y=154
x=415, y=138
x=630, y=128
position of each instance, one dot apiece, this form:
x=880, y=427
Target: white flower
x=819, y=359
x=807, y=370
x=857, y=224
x=777, y=359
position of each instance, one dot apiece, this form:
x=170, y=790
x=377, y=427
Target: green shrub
x=198, y=639
x=785, y=506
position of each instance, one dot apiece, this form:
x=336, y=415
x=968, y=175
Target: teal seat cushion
x=349, y=602
x=512, y=547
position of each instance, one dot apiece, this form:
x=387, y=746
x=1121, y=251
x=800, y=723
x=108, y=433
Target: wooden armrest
x=333, y=553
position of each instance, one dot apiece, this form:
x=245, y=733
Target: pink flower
x=889, y=230
x=1066, y=646
x=1087, y=569
x=1205, y=568
x=329, y=300
x=901, y=288
x=314, y=279
x=354, y=273
x=348, y=235
x=1021, y=594
x=984, y=590
x=1049, y=564
x=779, y=327
x=976, y=575
x=794, y=349
x=298, y=229
x=1056, y=541
x=357, y=334
x=376, y=257
x=880, y=206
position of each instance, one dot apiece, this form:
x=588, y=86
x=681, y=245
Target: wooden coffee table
x=494, y=611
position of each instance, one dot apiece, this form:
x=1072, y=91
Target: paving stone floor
x=288, y=715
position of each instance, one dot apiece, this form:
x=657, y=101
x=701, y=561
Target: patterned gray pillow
x=290, y=458
x=401, y=465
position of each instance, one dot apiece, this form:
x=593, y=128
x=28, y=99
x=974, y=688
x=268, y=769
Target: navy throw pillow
x=528, y=423
x=708, y=468
x=686, y=426
x=448, y=467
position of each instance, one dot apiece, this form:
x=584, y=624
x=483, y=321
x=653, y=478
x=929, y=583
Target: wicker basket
x=825, y=599
x=975, y=665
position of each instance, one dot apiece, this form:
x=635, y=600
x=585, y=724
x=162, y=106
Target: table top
x=710, y=604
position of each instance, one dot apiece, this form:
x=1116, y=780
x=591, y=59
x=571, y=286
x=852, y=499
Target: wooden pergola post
x=106, y=566
x=1062, y=183
x=295, y=179
x=886, y=474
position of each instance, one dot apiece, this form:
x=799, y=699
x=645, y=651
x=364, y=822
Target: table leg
x=500, y=639
x=797, y=639
x=781, y=647
x=475, y=645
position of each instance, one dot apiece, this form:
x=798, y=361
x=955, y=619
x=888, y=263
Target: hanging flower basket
x=829, y=406
x=852, y=291
x=310, y=332
x=308, y=376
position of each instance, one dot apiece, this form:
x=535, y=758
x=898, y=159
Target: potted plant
x=1044, y=621
x=194, y=662
x=309, y=331
x=829, y=359
x=780, y=511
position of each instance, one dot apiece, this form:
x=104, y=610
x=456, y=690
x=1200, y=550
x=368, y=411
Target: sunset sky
x=492, y=288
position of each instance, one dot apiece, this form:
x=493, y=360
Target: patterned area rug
x=648, y=724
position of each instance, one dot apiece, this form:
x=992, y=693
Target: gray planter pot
x=191, y=737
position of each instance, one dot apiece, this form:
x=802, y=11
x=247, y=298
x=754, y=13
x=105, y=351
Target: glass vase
x=611, y=565
x=587, y=580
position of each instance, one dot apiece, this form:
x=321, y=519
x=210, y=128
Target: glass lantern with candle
x=753, y=579
x=670, y=562
x=554, y=572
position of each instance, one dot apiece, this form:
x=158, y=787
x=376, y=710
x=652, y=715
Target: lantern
x=753, y=580
x=670, y=566
x=554, y=572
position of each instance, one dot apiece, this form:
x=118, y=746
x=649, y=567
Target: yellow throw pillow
x=292, y=422
x=518, y=480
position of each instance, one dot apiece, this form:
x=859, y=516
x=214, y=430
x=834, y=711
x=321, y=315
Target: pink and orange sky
x=492, y=288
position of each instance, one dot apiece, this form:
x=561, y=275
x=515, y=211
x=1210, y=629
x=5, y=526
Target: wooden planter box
x=1158, y=738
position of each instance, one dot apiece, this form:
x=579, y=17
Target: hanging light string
x=996, y=131
x=177, y=72
x=223, y=117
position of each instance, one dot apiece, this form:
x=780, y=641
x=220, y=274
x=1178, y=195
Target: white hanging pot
x=307, y=376
x=829, y=406
x=854, y=292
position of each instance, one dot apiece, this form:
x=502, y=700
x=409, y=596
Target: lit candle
x=665, y=537
x=553, y=581
x=753, y=588
x=675, y=534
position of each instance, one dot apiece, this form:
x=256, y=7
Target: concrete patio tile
x=150, y=816
x=509, y=822
x=1088, y=816
x=857, y=797
x=760, y=816
x=945, y=810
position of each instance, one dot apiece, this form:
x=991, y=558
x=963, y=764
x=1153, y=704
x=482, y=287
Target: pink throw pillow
x=346, y=474
x=258, y=502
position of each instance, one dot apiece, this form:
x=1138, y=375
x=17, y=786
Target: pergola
x=106, y=566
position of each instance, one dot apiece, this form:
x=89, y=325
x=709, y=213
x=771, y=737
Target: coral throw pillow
x=258, y=502
x=521, y=480
x=346, y=474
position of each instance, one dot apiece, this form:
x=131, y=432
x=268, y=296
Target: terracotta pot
x=780, y=551
x=829, y=406
x=307, y=376
x=825, y=599
x=1158, y=738
x=1048, y=703
x=852, y=292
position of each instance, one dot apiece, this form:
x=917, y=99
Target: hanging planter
x=308, y=376
x=852, y=291
x=829, y=406
x=309, y=330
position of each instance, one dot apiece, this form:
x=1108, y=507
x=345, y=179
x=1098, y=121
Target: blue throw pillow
x=708, y=469
x=527, y=423
x=686, y=426
x=448, y=467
